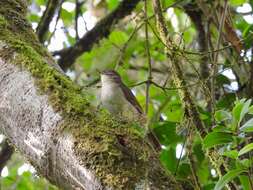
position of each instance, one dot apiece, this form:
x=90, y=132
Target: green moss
x=63, y=94
x=13, y=12
x=99, y=136
x=113, y=151
x=3, y=22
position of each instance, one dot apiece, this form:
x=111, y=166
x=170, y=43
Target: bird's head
x=110, y=76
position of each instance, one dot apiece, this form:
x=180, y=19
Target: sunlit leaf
x=118, y=37
x=231, y=154
x=248, y=126
x=237, y=2
x=112, y=4
x=246, y=149
x=227, y=178
x=67, y=17
x=245, y=181
x=251, y=110
x=240, y=109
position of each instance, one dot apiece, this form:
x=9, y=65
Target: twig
x=148, y=59
x=123, y=49
x=215, y=66
x=78, y=12
x=184, y=143
x=56, y=22
x=99, y=31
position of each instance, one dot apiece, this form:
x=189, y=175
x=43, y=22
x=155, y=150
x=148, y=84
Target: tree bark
x=50, y=121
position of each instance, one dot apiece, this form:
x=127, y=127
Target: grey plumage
x=117, y=98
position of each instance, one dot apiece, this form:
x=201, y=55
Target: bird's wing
x=131, y=98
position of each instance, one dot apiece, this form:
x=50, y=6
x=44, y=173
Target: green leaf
x=34, y=18
x=166, y=133
x=226, y=101
x=248, y=28
x=67, y=17
x=227, y=178
x=41, y=2
x=184, y=170
x=244, y=163
x=216, y=138
x=169, y=160
x=231, y=154
x=203, y=172
x=112, y=4
x=245, y=182
x=222, y=79
x=237, y=2
x=167, y=3
x=248, y=126
x=251, y=110
x=198, y=152
x=237, y=111
x=245, y=109
x=118, y=37
x=246, y=149
x=221, y=128
x=222, y=115
x=240, y=109
x=174, y=112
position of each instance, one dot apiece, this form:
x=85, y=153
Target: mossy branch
x=178, y=76
x=69, y=142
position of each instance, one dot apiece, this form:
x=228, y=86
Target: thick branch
x=51, y=122
x=46, y=19
x=101, y=30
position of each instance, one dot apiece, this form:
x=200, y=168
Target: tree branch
x=46, y=19
x=50, y=120
x=190, y=107
x=196, y=16
x=101, y=30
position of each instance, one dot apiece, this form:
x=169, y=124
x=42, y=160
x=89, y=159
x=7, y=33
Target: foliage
x=20, y=177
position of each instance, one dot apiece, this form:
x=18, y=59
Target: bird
x=120, y=101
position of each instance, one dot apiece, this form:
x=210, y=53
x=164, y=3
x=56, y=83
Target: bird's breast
x=112, y=98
